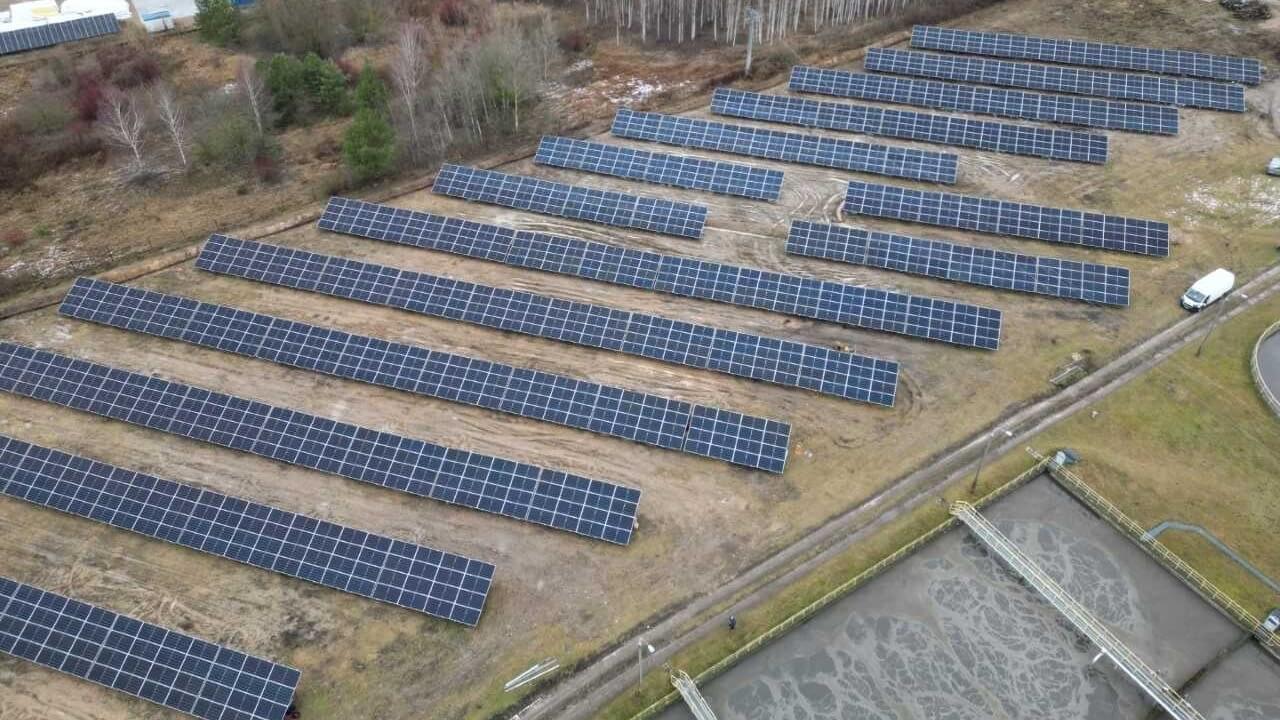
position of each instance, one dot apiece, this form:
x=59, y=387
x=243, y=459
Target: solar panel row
x=53, y=33
x=137, y=658
x=1002, y=217
x=868, y=308
x=651, y=419
x=525, y=492
x=374, y=566
x=1065, y=109
x=680, y=171
x=1183, y=92
x=570, y=201
x=961, y=263
x=760, y=358
x=1090, y=54
x=910, y=125
x=786, y=146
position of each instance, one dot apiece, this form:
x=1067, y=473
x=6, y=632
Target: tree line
x=728, y=21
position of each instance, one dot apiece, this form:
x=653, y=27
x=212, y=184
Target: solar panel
x=1018, y=104
x=680, y=171
x=137, y=658
x=1076, y=81
x=961, y=263
x=1184, y=63
x=525, y=492
x=909, y=125
x=440, y=584
x=53, y=33
x=645, y=418
x=922, y=317
x=1002, y=217
x=751, y=356
x=786, y=146
x=570, y=201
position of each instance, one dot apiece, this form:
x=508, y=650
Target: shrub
x=283, y=77
x=452, y=13
x=575, y=41
x=266, y=165
x=43, y=114
x=325, y=85
x=371, y=91
x=13, y=237
x=23, y=157
x=228, y=143
x=369, y=146
x=88, y=96
x=217, y=22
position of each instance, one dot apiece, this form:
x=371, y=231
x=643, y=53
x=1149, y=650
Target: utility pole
x=753, y=28
x=1222, y=310
x=973, y=486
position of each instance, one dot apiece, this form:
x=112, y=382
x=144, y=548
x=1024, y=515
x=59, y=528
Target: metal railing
x=688, y=690
x=1267, y=395
x=1125, y=659
x=848, y=586
x=1189, y=575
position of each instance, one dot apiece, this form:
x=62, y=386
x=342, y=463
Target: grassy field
x=1192, y=441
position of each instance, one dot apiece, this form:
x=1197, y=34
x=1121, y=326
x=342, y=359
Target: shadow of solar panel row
x=1182, y=92
x=786, y=146
x=651, y=419
x=525, y=492
x=680, y=171
x=1018, y=104
x=751, y=356
x=441, y=584
x=922, y=317
x=137, y=658
x=910, y=125
x=1185, y=63
x=1055, y=277
x=1002, y=217
x=53, y=33
x=570, y=201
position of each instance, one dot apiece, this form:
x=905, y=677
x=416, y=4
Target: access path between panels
x=593, y=508
x=1017, y=104
x=1051, y=143
x=754, y=442
x=381, y=568
x=767, y=359
x=868, y=308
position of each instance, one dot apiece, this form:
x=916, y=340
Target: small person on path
x=733, y=622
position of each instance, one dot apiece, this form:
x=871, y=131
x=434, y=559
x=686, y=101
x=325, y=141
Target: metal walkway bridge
x=1129, y=663
x=688, y=690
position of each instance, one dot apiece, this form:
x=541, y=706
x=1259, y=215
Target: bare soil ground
x=702, y=522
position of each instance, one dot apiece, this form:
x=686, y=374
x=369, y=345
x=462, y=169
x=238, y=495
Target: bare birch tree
x=255, y=93
x=124, y=124
x=172, y=116
x=408, y=70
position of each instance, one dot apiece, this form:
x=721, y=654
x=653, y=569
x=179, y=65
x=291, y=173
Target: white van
x=1208, y=289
